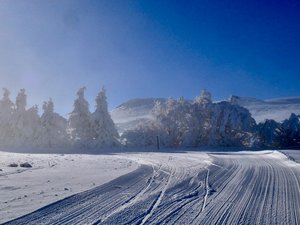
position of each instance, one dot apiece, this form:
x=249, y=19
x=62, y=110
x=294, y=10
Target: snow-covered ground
x=170, y=188
x=51, y=178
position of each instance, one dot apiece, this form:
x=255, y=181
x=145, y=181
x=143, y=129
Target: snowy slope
x=133, y=112
x=187, y=188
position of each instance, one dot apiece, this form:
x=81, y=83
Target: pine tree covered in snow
x=104, y=130
x=32, y=127
x=79, y=123
x=26, y=125
x=54, y=127
x=21, y=101
x=18, y=120
x=22, y=127
x=6, y=115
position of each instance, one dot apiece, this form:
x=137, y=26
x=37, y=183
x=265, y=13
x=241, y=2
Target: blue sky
x=149, y=49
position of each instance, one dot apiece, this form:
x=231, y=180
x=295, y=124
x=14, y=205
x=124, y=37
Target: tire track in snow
x=89, y=206
x=131, y=201
x=261, y=190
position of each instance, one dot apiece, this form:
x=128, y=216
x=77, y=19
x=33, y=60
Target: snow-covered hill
x=133, y=112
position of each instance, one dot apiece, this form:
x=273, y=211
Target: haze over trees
x=176, y=123
x=21, y=127
x=103, y=127
x=79, y=123
x=54, y=127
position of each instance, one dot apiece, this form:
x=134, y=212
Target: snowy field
x=152, y=188
x=51, y=178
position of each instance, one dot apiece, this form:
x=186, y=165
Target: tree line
x=176, y=123
x=182, y=123
x=21, y=127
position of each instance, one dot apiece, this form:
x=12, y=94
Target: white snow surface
x=52, y=177
x=243, y=187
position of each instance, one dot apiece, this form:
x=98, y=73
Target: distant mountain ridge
x=131, y=113
x=277, y=109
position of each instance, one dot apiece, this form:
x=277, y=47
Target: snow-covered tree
x=202, y=119
x=202, y=122
x=104, y=130
x=180, y=122
x=231, y=125
x=32, y=127
x=143, y=135
x=79, y=123
x=53, y=127
x=21, y=100
x=6, y=114
x=19, y=119
x=204, y=98
x=6, y=104
x=26, y=124
x=172, y=117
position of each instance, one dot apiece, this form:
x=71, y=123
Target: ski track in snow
x=159, y=199
x=207, y=190
x=187, y=188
